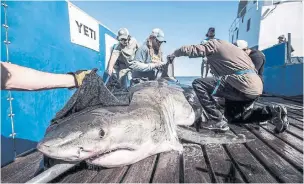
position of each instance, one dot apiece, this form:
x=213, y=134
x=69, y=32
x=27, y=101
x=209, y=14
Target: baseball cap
x=281, y=37
x=242, y=44
x=123, y=33
x=211, y=29
x=159, y=34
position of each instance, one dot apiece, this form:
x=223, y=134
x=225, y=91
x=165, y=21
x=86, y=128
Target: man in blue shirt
x=148, y=57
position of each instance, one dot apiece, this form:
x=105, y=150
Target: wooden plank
x=293, y=141
x=294, y=131
x=78, y=176
x=290, y=154
x=295, y=122
x=112, y=175
x=223, y=167
x=297, y=116
x=288, y=103
x=272, y=162
x=250, y=168
x=22, y=170
x=195, y=167
x=167, y=168
x=141, y=172
x=296, y=99
x=294, y=111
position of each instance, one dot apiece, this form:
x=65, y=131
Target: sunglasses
x=159, y=42
x=123, y=40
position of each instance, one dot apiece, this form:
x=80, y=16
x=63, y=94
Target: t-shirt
x=125, y=54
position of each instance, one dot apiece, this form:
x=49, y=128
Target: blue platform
x=39, y=33
x=281, y=77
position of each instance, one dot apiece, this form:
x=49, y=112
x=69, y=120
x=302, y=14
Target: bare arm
x=112, y=61
x=14, y=77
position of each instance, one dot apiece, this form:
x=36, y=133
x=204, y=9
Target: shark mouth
x=109, y=152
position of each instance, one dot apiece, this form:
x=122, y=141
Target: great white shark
x=155, y=121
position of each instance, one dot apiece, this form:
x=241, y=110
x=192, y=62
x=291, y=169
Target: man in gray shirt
x=237, y=81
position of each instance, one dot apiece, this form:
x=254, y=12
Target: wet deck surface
x=270, y=158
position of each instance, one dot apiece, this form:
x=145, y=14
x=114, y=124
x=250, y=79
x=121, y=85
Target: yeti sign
x=84, y=30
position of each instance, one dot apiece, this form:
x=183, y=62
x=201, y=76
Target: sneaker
x=217, y=126
x=284, y=118
x=279, y=118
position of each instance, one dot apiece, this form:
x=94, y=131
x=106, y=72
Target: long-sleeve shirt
x=142, y=65
x=225, y=59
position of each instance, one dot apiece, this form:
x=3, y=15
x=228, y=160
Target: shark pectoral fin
x=188, y=135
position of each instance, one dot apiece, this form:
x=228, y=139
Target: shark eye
x=101, y=133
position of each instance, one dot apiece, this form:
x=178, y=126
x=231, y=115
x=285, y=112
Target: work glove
x=158, y=65
x=170, y=58
x=79, y=76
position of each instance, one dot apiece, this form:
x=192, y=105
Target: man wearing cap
x=256, y=56
x=236, y=81
x=148, y=57
x=122, y=54
x=282, y=39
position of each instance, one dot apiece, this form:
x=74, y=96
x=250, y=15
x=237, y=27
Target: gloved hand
x=159, y=65
x=79, y=75
x=170, y=58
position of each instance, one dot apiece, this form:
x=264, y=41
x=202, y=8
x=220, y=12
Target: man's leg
x=124, y=78
x=240, y=109
x=203, y=88
x=244, y=112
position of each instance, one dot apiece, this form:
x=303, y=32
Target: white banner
x=110, y=41
x=84, y=30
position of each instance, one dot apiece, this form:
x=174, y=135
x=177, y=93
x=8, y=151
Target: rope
x=10, y=98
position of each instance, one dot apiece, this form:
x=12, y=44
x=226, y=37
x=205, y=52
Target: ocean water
x=187, y=80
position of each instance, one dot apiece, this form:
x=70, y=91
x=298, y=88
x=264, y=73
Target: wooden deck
x=270, y=158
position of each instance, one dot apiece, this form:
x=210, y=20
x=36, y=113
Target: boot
x=279, y=118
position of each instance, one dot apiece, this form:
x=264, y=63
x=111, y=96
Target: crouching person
x=148, y=58
x=237, y=81
x=122, y=55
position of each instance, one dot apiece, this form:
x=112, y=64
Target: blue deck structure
x=39, y=35
x=282, y=77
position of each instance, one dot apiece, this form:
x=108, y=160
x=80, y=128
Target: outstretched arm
x=14, y=77
x=113, y=58
x=194, y=51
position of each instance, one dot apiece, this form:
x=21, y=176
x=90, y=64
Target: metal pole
x=289, y=48
x=51, y=173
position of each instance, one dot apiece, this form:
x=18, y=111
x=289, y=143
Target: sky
x=183, y=23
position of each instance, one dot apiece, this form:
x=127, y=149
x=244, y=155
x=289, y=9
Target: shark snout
x=70, y=154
